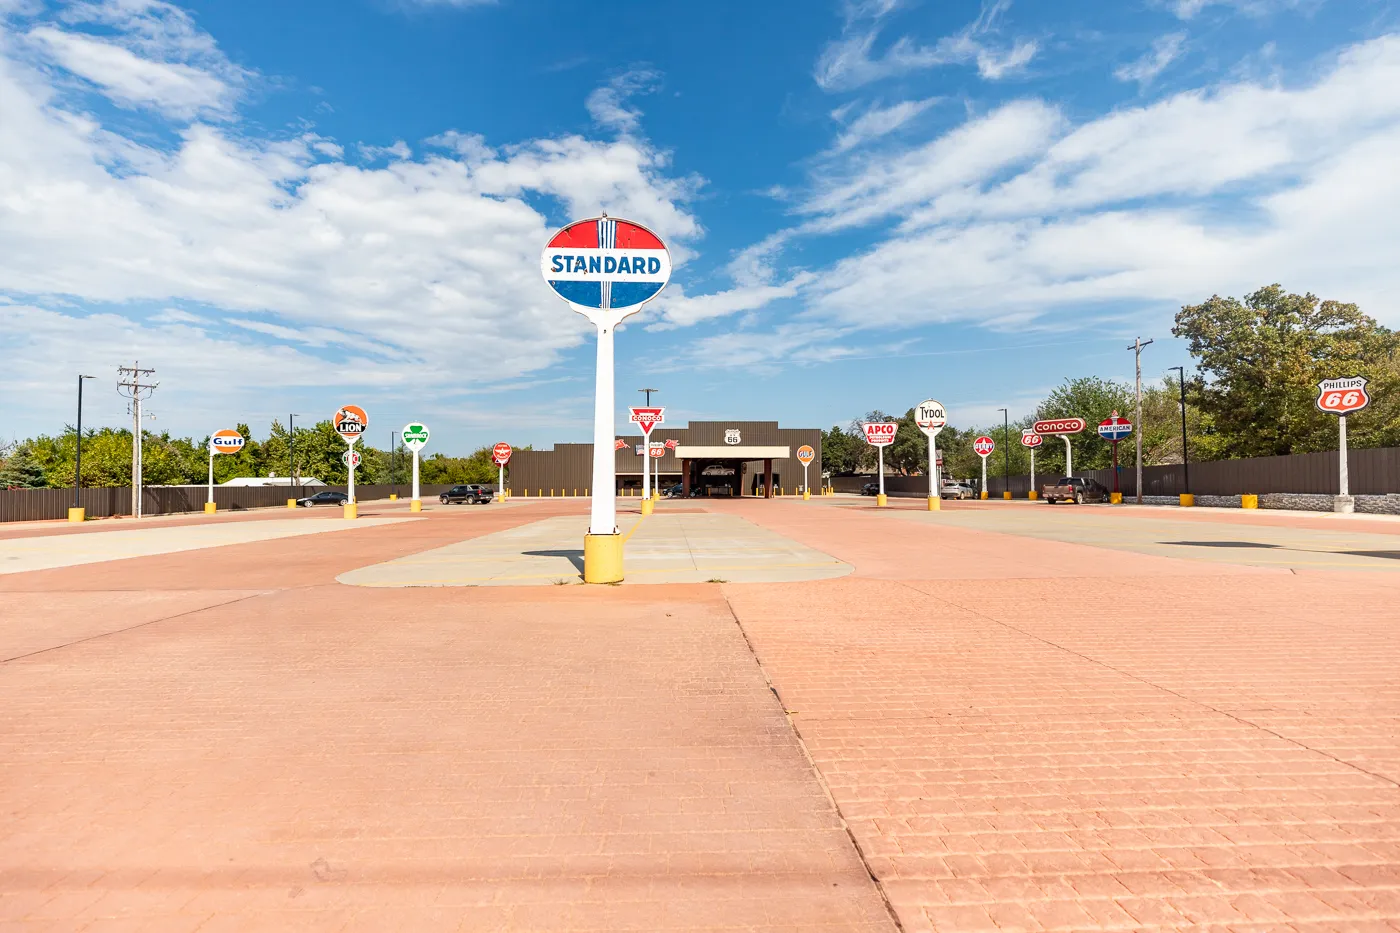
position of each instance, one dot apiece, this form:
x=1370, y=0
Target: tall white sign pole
x=1069, y=456
x=930, y=417
x=1032, y=469
x=646, y=465
x=603, y=512
x=501, y=483
x=415, y=477
x=351, y=448
x=1342, y=456
x=984, y=476
x=210, y=500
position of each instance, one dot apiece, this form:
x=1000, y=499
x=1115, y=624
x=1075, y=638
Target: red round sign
x=350, y=422
x=500, y=454
x=983, y=446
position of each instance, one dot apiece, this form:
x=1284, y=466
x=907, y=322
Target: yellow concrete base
x=1032, y=495
x=415, y=505
x=882, y=500
x=1006, y=495
x=1116, y=498
x=210, y=508
x=935, y=504
x=602, y=558
x=984, y=494
x=1187, y=500
x=806, y=494
x=352, y=510
x=648, y=505
x=393, y=497
x=77, y=515
x=1249, y=502
x=291, y=503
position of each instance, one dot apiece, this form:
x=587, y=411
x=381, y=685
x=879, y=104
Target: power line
x=129, y=385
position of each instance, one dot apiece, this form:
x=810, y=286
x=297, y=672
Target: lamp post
x=1005, y=454
x=292, y=450
x=1185, y=460
x=646, y=454
x=78, y=460
x=393, y=477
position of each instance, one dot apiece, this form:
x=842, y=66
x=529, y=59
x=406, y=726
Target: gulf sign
x=1031, y=439
x=227, y=441
x=983, y=446
x=500, y=454
x=606, y=263
x=805, y=454
x=1342, y=396
x=880, y=433
x=350, y=422
x=1059, y=426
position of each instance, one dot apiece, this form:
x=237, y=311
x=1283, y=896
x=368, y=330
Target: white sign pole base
x=1345, y=503
x=984, y=479
x=415, y=504
x=1033, y=494
x=209, y=505
x=602, y=546
x=881, y=501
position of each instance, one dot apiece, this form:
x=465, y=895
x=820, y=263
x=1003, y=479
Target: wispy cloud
x=1165, y=50
x=1188, y=9
x=878, y=121
x=610, y=106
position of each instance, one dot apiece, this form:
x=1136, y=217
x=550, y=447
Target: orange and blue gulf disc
x=606, y=263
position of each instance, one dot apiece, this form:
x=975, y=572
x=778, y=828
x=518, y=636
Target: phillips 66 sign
x=1342, y=396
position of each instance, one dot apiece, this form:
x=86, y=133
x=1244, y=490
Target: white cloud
x=608, y=105
x=1188, y=9
x=880, y=121
x=676, y=309
x=1165, y=50
x=850, y=61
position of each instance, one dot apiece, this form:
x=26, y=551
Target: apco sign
x=1031, y=439
x=647, y=418
x=606, y=264
x=415, y=436
x=983, y=446
x=1342, y=396
x=1059, y=426
x=1113, y=428
x=227, y=441
x=930, y=416
x=880, y=433
x=805, y=454
x=350, y=422
x=500, y=454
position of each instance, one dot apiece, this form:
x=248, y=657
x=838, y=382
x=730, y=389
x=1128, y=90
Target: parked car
x=678, y=492
x=328, y=497
x=1075, y=489
x=870, y=489
x=475, y=493
x=957, y=491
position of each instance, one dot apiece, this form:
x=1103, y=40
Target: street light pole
x=393, y=477
x=78, y=460
x=1185, y=459
x=1005, y=453
x=646, y=454
x=292, y=451
x=1137, y=346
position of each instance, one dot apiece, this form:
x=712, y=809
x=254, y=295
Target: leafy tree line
x=48, y=461
x=1258, y=363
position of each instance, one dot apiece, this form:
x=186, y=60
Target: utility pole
x=129, y=384
x=1137, y=346
x=292, y=450
x=393, y=477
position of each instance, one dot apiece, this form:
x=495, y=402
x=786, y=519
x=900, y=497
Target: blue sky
x=288, y=207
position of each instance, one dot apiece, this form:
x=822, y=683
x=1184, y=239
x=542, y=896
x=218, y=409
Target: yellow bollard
x=576, y=493
x=1249, y=502
x=210, y=508
x=1115, y=498
x=352, y=510
x=1187, y=500
x=806, y=494
x=602, y=558
x=935, y=504
x=984, y=494
x=882, y=500
x=1032, y=495
x=539, y=493
x=1006, y=495
x=415, y=505
x=393, y=497
x=77, y=515
x=647, y=506
x=291, y=503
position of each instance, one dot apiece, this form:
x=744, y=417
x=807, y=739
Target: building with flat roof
x=707, y=458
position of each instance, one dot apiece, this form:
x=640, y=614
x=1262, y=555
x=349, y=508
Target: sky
x=291, y=207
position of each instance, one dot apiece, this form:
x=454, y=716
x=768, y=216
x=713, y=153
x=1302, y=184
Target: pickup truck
x=1075, y=489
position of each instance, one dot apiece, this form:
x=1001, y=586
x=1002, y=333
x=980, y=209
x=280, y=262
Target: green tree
x=22, y=470
x=1261, y=360
x=841, y=451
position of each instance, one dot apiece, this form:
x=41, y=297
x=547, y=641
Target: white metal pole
x=211, y=471
x=646, y=466
x=805, y=487
x=880, y=452
x=1342, y=455
x=1032, y=468
x=984, y=473
x=603, y=517
x=501, y=482
x=351, y=458
x=934, y=480
x=1069, y=456
x=415, y=475
x=136, y=470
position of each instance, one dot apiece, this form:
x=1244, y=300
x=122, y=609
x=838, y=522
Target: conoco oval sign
x=1059, y=426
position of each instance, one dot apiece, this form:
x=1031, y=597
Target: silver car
x=957, y=491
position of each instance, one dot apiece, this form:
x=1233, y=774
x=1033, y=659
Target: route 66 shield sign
x=1342, y=396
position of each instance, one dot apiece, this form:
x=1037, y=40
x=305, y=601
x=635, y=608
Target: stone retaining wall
x=1304, y=502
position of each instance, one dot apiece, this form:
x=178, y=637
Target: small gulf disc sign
x=227, y=441
x=805, y=454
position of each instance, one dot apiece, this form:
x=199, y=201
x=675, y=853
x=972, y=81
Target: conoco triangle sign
x=647, y=418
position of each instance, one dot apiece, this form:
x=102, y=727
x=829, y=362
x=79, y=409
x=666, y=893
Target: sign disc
x=606, y=263
x=805, y=454
x=1342, y=396
x=500, y=454
x=227, y=441
x=350, y=422
x=415, y=436
x=983, y=446
x=880, y=433
x=930, y=416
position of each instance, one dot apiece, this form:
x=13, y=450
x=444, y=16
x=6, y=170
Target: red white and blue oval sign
x=606, y=263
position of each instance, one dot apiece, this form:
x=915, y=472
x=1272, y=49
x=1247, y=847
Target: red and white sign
x=647, y=418
x=350, y=422
x=1031, y=439
x=350, y=458
x=983, y=446
x=930, y=416
x=500, y=454
x=620, y=444
x=1059, y=426
x=880, y=433
x=672, y=443
x=805, y=454
x=657, y=451
x=227, y=441
x=1342, y=396
x=1114, y=428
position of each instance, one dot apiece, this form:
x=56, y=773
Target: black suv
x=474, y=493
x=329, y=497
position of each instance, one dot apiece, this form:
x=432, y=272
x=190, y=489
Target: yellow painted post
x=882, y=500
x=1032, y=495
x=539, y=493
x=291, y=503
x=393, y=497
x=1249, y=502
x=806, y=494
x=1187, y=500
x=984, y=494
x=210, y=508
x=1006, y=495
x=1115, y=498
x=352, y=510
x=602, y=558
x=77, y=515
x=647, y=506
x=935, y=504
x=415, y=505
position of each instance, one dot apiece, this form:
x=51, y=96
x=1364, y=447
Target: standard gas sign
x=606, y=263
x=805, y=454
x=1342, y=396
x=880, y=433
x=227, y=441
x=350, y=422
x=983, y=446
x=1059, y=426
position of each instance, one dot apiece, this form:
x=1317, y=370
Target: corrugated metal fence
x=1370, y=472
x=19, y=505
